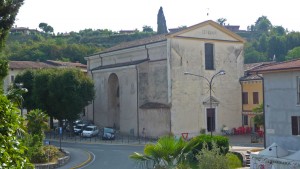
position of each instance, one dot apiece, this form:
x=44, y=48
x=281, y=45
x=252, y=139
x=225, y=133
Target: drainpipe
x=93, y=101
x=147, y=51
x=242, y=101
x=137, y=101
x=264, y=109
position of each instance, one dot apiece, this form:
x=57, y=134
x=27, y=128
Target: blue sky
x=75, y=15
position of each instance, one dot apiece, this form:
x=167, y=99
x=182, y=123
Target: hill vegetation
x=265, y=42
x=73, y=46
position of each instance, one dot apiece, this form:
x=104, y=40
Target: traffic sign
x=60, y=130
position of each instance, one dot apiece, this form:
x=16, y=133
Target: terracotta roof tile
x=250, y=66
x=279, y=66
x=28, y=65
x=67, y=64
x=250, y=77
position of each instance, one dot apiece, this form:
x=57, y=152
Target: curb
x=103, y=143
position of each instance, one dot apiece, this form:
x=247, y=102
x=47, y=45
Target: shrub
x=212, y=158
x=221, y=142
x=234, y=160
x=52, y=153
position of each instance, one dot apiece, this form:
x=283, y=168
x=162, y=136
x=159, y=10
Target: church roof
x=120, y=64
x=135, y=43
x=163, y=37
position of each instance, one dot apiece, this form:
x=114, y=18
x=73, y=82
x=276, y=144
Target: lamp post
x=21, y=91
x=209, y=81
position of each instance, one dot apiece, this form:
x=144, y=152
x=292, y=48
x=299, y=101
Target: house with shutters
x=141, y=87
x=282, y=103
x=252, y=93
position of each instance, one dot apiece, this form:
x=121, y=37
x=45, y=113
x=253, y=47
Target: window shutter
x=255, y=98
x=295, y=125
x=245, y=97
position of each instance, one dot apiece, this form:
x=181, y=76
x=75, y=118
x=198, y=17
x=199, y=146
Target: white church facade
x=141, y=86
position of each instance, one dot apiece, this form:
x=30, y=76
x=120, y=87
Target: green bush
x=234, y=160
x=52, y=152
x=221, y=142
x=37, y=155
x=212, y=158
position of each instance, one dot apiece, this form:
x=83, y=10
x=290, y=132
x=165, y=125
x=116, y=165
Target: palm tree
x=37, y=122
x=168, y=152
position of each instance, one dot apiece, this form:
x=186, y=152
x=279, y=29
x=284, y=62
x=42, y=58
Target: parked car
x=90, y=131
x=108, y=133
x=79, y=128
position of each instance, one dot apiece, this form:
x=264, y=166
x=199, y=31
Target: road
x=106, y=156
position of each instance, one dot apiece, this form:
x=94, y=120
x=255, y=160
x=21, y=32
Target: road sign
x=60, y=130
x=47, y=142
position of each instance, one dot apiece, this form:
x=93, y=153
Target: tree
x=70, y=90
x=46, y=28
x=277, y=47
x=259, y=117
x=147, y=28
x=12, y=149
x=293, y=54
x=263, y=43
x=166, y=153
x=292, y=40
x=64, y=93
x=263, y=24
x=8, y=12
x=221, y=21
x=252, y=55
x=161, y=22
x=278, y=30
x=26, y=78
x=37, y=123
x=3, y=72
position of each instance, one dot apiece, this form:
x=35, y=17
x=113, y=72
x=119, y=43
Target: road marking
x=90, y=160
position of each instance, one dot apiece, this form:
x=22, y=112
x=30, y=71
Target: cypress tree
x=161, y=22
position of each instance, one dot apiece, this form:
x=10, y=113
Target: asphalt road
x=106, y=156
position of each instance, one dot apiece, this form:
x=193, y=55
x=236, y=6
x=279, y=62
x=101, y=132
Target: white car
x=90, y=131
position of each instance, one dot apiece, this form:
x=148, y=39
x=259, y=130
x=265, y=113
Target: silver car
x=90, y=131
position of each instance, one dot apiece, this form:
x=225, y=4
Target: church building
x=143, y=88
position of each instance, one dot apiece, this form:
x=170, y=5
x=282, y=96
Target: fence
x=119, y=138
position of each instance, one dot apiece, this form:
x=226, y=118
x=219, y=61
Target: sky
x=74, y=15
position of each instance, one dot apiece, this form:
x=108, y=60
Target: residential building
x=252, y=94
x=16, y=67
x=282, y=103
x=23, y=30
x=141, y=88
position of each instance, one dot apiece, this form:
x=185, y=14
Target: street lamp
x=21, y=91
x=221, y=72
